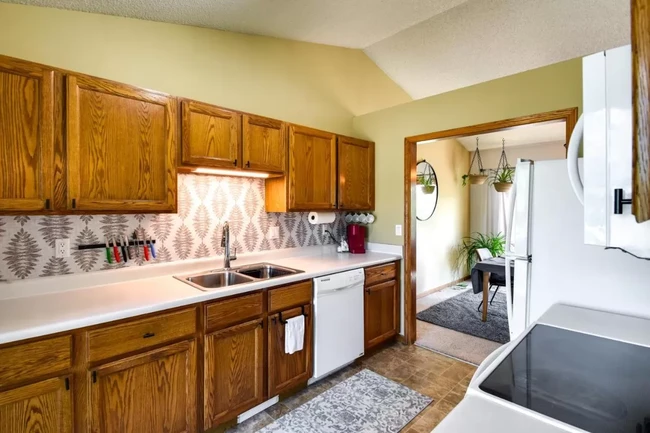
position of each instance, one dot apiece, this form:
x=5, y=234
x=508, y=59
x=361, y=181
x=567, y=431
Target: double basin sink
x=221, y=278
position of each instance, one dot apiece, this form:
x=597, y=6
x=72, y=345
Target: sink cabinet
x=183, y=370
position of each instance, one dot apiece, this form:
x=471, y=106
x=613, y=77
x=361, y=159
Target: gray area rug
x=365, y=402
x=459, y=313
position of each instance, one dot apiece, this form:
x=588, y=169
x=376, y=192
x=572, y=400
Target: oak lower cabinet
x=288, y=371
x=356, y=174
x=381, y=304
x=121, y=147
x=41, y=407
x=26, y=136
x=234, y=371
x=151, y=392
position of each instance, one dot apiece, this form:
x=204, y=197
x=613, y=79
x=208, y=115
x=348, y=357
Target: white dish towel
x=294, y=334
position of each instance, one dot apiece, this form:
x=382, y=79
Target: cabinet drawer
x=116, y=340
x=378, y=274
x=222, y=314
x=31, y=360
x=290, y=296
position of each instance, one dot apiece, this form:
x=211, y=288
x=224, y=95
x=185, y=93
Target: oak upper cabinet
x=26, y=136
x=310, y=183
x=210, y=135
x=151, y=392
x=233, y=358
x=122, y=147
x=42, y=407
x=356, y=174
x=381, y=304
x=264, y=144
x=640, y=12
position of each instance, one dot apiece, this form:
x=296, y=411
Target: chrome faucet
x=225, y=243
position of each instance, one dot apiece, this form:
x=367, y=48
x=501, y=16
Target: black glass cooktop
x=593, y=383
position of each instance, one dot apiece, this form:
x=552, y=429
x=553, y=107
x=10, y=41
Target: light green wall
x=315, y=85
x=545, y=89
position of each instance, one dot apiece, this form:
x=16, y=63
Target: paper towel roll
x=321, y=217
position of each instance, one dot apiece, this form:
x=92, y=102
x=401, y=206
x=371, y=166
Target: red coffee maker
x=357, y=238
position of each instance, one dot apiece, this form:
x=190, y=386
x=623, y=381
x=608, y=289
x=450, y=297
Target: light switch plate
x=398, y=230
x=274, y=232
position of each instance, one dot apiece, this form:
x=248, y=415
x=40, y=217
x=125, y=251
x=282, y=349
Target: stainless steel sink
x=222, y=278
x=216, y=280
x=265, y=271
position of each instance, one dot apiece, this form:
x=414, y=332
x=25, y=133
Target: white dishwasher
x=338, y=321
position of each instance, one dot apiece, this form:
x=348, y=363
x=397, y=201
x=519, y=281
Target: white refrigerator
x=552, y=264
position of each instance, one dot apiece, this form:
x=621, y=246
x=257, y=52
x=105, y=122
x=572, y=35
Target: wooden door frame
x=569, y=116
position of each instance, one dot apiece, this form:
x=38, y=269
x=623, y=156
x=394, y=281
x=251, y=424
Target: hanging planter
x=428, y=189
x=503, y=176
x=475, y=178
x=427, y=179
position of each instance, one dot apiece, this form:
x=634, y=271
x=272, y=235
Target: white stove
x=573, y=370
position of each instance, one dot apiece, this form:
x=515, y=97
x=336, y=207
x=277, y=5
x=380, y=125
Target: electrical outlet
x=274, y=232
x=398, y=230
x=62, y=248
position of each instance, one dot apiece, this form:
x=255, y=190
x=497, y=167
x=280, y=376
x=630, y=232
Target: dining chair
x=495, y=280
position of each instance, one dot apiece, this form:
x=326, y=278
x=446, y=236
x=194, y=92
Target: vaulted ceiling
x=426, y=46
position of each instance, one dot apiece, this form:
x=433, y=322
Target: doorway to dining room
x=457, y=201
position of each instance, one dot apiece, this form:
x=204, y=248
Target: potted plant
x=501, y=179
x=466, y=251
x=475, y=179
x=481, y=177
x=428, y=187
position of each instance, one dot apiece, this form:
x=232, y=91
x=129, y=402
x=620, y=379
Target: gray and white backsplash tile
x=204, y=204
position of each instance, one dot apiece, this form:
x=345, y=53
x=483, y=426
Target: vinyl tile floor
x=443, y=379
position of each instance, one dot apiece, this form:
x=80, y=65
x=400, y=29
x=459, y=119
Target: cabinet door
x=287, y=371
x=641, y=109
x=42, y=407
x=149, y=393
x=381, y=309
x=210, y=135
x=26, y=135
x=264, y=145
x=234, y=371
x=121, y=147
x=312, y=169
x=356, y=159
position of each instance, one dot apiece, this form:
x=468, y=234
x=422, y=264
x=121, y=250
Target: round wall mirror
x=426, y=191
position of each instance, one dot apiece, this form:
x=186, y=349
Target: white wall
x=438, y=236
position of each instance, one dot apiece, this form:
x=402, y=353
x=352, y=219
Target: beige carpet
x=447, y=341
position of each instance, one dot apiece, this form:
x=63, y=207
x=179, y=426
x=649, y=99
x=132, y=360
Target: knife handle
x=108, y=256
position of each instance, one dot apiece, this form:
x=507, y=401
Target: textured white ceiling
x=481, y=40
x=426, y=46
x=520, y=136
x=346, y=23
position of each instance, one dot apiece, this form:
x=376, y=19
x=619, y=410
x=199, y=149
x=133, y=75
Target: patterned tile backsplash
x=204, y=203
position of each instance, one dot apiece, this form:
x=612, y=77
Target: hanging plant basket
x=502, y=186
x=428, y=189
x=477, y=179
x=502, y=177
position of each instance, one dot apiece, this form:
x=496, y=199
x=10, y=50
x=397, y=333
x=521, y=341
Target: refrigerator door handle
x=572, y=160
x=511, y=216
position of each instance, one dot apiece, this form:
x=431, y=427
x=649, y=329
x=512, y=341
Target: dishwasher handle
x=321, y=292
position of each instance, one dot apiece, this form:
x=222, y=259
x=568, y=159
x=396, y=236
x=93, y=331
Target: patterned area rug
x=365, y=402
x=459, y=313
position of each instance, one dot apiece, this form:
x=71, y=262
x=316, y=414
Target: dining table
x=480, y=277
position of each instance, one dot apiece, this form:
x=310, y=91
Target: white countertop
x=57, y=304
